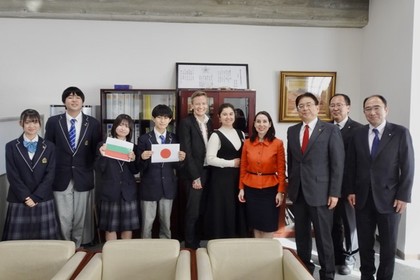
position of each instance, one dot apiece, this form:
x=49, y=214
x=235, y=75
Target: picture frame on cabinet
x=295, y=83
x=211, y=76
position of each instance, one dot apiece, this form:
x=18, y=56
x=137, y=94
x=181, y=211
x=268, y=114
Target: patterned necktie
x=162, y=139
x=30, y=146
x=305, y=139
x=72, y=134
x=375, y=143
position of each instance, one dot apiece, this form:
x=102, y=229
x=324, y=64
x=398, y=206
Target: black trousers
x=344, y=233
x=194, y=211
x=322, y=218
x=367, y=219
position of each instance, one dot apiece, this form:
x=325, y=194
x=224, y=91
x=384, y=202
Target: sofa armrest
x=293, y=269
x=70, y=267
x=204, y=271
x=183, y=265
x=92, y=270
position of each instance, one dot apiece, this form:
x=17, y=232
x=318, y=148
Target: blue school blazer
x=76, y=165
x=30, y=178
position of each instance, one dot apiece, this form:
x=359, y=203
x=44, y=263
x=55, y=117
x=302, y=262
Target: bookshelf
x=138, y=104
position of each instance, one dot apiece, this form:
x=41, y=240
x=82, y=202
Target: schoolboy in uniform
x=76, y=137
x=158, y=181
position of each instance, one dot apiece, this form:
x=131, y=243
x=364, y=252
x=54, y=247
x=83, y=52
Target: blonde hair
x=197, y=94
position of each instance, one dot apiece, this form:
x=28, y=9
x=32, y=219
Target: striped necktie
x=72, y=134
x=162, y=139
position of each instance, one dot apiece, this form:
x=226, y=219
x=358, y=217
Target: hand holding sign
x=165, y=152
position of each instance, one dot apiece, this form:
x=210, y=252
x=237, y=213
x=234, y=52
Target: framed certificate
x=211, y=75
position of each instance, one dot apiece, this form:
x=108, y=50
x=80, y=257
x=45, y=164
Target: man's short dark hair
x=72, y=90
x=162, y=110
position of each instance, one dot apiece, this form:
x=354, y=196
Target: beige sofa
x=150, y=259
x=248, y=258
x=38, y=259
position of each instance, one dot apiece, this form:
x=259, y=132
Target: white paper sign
x=165, y=153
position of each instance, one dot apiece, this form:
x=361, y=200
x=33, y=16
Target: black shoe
x=345, y=269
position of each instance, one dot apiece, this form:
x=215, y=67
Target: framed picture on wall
x=293, y=84
x=211, y=75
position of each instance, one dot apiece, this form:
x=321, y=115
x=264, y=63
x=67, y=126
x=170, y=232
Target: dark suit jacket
x=192, y=143
x=347, y=133
x=157, y=180
x=78, y=165
x=390, y=174
x=319, y=171
x=30, y=178
x=116, y=178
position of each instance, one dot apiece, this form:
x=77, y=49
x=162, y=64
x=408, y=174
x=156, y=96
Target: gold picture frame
x=293, y=84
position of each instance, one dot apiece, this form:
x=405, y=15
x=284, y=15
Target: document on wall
x=165, y=153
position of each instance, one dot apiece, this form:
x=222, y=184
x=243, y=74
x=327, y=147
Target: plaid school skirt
x=119, y=216
x=23, y=222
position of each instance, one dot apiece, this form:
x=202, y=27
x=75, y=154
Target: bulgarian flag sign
x=118, y=149
x=165, y=152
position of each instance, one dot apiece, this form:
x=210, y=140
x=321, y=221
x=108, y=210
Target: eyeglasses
x=307, y=105
x=337, y=105
x=374, y=109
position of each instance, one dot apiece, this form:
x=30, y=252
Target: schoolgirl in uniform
x=118, y=191
x=30, y=168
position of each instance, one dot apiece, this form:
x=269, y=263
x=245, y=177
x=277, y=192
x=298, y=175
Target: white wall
x=386, y=69
x=39, y=58
x=412, y=244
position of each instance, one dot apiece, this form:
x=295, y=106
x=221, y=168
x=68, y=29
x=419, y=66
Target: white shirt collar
x=342, y=123
x=27, y=139
x=380, y=128
x=78, y=117
x=311, y=124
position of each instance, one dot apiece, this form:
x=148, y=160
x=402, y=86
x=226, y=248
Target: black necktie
x=375, y=143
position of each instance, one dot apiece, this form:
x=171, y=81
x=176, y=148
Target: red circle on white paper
x=165, y=153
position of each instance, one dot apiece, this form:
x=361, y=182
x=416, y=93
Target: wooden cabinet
x=242, y=100
x=138, y=104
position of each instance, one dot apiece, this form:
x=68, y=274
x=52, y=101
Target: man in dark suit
x=194, y=132
x=315, y=158
x=380, y=165
x=76, y=137
x=344, y=225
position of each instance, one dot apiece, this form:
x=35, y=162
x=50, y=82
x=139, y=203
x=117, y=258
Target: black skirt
x=261, y=209
x=23, y=222
x=119, y=216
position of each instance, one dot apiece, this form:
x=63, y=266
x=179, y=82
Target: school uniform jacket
x=76, y=165
x=116, y=178
x=157, y=180
x=30, y=178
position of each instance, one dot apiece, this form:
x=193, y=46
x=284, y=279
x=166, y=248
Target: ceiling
x=316, y=13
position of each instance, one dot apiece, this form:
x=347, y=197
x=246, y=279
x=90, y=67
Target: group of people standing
x=371, y=167
x=341, y=176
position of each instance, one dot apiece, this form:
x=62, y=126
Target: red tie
x=305, y=139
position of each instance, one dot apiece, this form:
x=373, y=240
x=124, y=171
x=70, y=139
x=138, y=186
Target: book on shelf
x=151, y=100
x=109, y=107
x=123, y=103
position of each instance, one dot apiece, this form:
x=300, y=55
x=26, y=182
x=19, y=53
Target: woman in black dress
x=224, y=217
